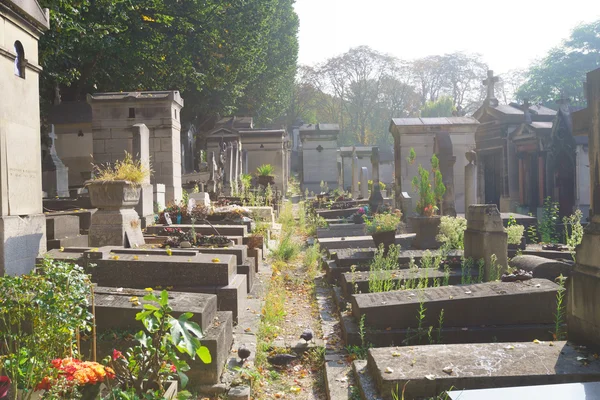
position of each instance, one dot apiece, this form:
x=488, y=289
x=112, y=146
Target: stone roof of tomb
x=434, y=121
x=236, y=122
x=132, y=96
x=31, y=11
x=325, y=128
x=262, y=132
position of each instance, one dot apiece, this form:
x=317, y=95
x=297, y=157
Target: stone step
x=61, y=226
x=491, y=303
x=114, y=310
x=224, y=230
x=419, y=370
x=361, y=242
x=358, y=281
x=75, y=241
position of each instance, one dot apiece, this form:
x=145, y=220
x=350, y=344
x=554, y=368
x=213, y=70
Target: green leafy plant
x=361, y=351
x=514, y=231
x=430, y=193
x=547, y=227
x=40, y=316
x=147, y=366
x=246, y=180
x=383, y=222
x=127, y=169
x=559, y=316
x=573, y=231
x=452, y=232
x=380, y=276
x=265, y=170
x=287, y=250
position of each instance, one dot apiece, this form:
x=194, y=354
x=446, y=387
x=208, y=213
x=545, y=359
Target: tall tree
x=562, y=71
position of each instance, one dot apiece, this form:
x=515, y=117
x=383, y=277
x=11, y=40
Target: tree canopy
x=222, y=56
x=562, y=72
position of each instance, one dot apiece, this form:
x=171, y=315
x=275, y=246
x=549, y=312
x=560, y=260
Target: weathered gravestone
x=485, y=239
x=471, y=313
x=141, y=153
x=376, y=198
x=470, y=179
x=427, y=371
x=364, y=183
x=355, y=177
x=55, y=175
x=541, y=267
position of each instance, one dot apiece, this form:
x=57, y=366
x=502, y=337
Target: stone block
x=114, y=310
x=159, y=196
x=491, y=303
x=145, y=207
x=120, y=227
x=247, y=269
x=485, y=237
x=61, y=226
x=239, y=251
x=73, y=241
x=262, y=214
x=361, y=242
x=23, y=239
x=419, y=369
x=151, y=268
x=239, y=393
x=256, y=254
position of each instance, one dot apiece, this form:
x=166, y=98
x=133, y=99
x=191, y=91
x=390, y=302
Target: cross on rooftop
x=489, y=82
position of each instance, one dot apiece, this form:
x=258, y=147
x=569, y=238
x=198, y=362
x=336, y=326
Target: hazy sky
x=508, y=34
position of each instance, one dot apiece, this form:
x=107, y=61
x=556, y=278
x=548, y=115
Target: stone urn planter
x=521, y=246
x=264, y=180
x=115, y=223
x=426, y=229
x=113, y=195
x=388, y=239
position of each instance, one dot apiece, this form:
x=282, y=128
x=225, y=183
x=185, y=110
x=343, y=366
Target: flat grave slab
x=341, y=229
x=361, y=242
x=490, y=303
x=579, y=390
x=358, y=281
x=332, y=214
x=420, y=369
x=115, y=310
x=224, y=230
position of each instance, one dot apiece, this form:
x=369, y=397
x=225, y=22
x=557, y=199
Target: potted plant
x=383, y=228
x=426, y=224
x=515, y=235
x=265, y=175
x=117, y=185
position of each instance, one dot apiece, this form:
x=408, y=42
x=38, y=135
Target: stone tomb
x=115, y=312
x=63, y=231
x=419, y=370
x=358, y=281
x=472, y=313
x=318, y=156
x=183, y=270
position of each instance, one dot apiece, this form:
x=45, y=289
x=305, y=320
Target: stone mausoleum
x=22, y=223
x=318, y=156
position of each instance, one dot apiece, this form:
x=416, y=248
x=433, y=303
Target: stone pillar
x=340, y=166
x=141, y=151
x=485, y=237
x=583, y=301
x=159, y=196
x=470, y=179
x=513, y=174
x=398, y=195
x=355, y=172
x=541, y=179
x=212, y=168
x=55, y=175
x=376, y=199
x=364, y=183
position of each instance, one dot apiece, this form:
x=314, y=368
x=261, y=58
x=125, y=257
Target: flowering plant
x=4, y=386
x=387, y=222
x=77, y=373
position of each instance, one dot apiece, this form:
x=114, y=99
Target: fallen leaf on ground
x=430, y=377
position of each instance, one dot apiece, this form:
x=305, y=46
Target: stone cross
x=376, y=199
x=489, y=83
x=53, y=138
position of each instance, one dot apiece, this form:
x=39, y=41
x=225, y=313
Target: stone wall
x=75, y=151
x=22, y=224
